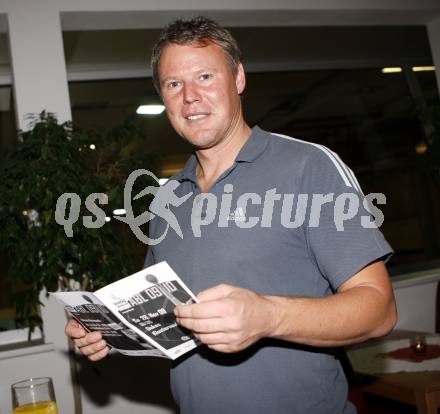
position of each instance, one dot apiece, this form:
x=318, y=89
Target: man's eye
x=172, y=84
x=205, y=76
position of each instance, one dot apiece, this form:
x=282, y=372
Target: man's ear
x=240, y=79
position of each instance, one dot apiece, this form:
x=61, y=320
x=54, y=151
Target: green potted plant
x=51, y=159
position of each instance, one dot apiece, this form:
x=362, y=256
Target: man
x=276, y=297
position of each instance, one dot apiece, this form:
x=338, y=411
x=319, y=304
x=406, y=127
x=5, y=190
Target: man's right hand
x=90, y=344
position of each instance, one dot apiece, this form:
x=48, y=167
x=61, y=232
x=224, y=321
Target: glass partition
x=369, y=118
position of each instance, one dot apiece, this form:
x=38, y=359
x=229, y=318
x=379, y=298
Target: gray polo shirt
x=258, y=228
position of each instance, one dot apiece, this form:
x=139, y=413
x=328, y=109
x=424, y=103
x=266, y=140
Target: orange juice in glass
x=34, y=396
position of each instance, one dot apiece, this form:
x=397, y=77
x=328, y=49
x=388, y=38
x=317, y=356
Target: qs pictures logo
x=69, y=204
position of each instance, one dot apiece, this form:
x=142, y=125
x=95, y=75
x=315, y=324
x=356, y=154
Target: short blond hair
x=199, y=31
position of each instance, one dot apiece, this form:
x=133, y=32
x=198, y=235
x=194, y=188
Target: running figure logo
x=164, y=197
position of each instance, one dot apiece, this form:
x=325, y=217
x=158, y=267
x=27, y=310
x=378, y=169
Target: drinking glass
x=34, y=396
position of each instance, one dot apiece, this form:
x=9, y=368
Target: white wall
x=116, y=14
x=38, y=65
x=49, y=360
x=416, y=304
x=133, y=385
x=416, y=307
x=41, y=361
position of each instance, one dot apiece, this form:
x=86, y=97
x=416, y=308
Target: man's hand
x=228, y=318
x=90, y=344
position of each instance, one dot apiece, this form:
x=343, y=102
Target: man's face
x=200, y=93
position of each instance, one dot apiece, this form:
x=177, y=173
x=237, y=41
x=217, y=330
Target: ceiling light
x=392, y=70
x=150, y=109
x=422, y=68
x=119, y=212
x=92, y=146
x=107, y=219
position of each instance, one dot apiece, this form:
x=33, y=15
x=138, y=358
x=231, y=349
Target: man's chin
x=202, y=141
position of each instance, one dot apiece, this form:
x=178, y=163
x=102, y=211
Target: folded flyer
x=135, y=314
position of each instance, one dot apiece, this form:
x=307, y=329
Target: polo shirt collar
x=254, y=146
x=252, y=149
x=189, y=171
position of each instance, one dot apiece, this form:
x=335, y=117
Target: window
x=370, y=119
x=103, y=104
x=341, y=99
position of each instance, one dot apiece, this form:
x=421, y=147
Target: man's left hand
x=228, y=318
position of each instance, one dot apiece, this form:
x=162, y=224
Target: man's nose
x=190, y=93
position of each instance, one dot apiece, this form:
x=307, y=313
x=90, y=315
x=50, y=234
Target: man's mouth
x=195, y=117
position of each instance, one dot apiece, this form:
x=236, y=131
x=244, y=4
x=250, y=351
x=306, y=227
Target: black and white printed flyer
x=135, y=314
